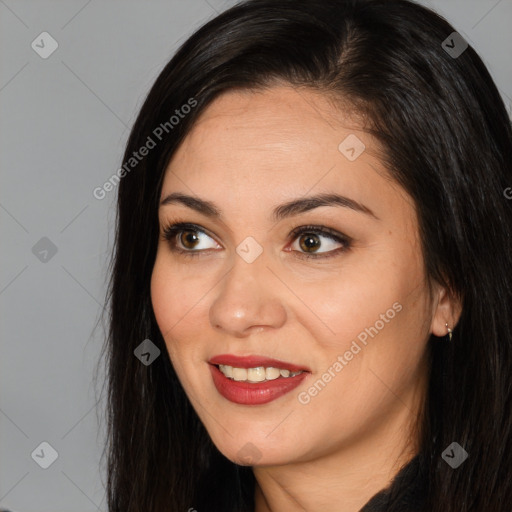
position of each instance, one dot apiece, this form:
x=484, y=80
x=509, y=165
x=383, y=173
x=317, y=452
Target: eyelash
x=173, y=229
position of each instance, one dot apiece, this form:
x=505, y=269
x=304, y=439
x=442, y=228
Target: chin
x=246, y=449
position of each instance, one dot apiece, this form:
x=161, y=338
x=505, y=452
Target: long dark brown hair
x=448, y=143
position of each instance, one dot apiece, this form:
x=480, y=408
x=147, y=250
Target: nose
x=248, y=300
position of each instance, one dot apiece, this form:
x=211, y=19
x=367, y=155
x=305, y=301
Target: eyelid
x=326, y=232
x=171, y=230
x=174, y=227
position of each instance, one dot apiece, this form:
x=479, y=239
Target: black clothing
x=406, y=493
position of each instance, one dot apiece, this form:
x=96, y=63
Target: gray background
x=64, y=121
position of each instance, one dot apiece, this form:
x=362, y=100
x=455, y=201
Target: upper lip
x=255, y=362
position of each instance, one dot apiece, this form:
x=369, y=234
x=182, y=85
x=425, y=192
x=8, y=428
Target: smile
x=254, y=380
x=258, y=374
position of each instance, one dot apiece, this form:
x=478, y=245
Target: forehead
x=255, y=149
x=280, y=125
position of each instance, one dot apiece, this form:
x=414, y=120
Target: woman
x=310, y=289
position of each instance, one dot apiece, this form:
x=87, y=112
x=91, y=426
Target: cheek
x=162, y=299
x=172, y=295
x=170, y=302
x=177, y=304
x=362, y=294
x=377, y=313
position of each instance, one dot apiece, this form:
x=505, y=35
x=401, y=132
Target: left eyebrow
x=309, y=203
x=280, y=212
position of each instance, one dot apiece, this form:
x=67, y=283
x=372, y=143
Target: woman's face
x=347, y=299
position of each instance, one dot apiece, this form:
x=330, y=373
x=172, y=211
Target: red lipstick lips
x=257, y=393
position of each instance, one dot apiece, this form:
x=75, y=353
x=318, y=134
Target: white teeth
x=239, y=374
x=258, y=374
x=272, y=373
x=226, y=370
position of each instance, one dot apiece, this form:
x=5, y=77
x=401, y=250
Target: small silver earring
x=449, y=333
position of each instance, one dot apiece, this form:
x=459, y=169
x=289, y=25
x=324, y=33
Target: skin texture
x=248, y=153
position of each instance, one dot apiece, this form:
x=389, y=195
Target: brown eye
x=318, y=242
x=309, y=242
x=189, y=239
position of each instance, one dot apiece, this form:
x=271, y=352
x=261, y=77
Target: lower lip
x=257, y=393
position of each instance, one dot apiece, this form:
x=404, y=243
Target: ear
x=447, y=308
